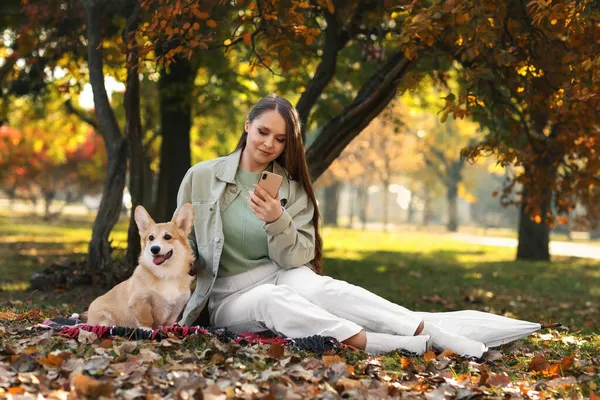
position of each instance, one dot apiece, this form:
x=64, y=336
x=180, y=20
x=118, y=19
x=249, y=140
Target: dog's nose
x=155, y=249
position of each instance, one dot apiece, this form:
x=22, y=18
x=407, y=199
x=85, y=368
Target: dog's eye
x=168, y=237
x=151, y=237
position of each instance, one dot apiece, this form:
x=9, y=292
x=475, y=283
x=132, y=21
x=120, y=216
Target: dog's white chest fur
x=170, y=291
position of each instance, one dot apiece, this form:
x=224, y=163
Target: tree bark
x=332, y=196
x=352, y=209
x=386, y=204
x=372, y=98
x=335, y=40
x=452, y=198
x=427, y=213
x=363, y=201
x=134, y=134
x=99, y=255
x=534, y=238
x=175, y=88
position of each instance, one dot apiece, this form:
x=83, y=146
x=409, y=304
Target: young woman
x=262, y=255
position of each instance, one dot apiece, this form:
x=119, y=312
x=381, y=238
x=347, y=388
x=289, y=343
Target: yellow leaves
x=227, y=42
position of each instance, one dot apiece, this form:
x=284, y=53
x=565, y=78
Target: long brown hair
x=292, y=158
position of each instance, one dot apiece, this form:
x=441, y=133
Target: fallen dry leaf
x=329, y=360
x=86, y=386
x=51, y=360
x=538, y=363
x=348, y=384
x=429, y=355
x=561, y=367
x=562, y=382
x=276, y=350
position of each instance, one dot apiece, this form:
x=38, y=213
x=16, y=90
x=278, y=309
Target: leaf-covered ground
x=419, y=270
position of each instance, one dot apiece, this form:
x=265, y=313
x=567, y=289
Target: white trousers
x=298, y=303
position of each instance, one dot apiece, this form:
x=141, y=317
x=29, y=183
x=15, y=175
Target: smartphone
x=270, y=182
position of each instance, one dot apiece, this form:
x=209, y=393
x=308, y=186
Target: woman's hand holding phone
x=265, y=207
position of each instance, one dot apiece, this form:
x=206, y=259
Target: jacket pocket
x=204, y=221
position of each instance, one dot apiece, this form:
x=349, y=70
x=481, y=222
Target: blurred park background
x=453, y=144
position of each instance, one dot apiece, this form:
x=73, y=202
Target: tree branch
x=372, y=98
x=82, y=115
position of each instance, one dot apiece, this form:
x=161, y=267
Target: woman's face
x=266, y=137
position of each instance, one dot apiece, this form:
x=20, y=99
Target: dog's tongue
x=157, y=260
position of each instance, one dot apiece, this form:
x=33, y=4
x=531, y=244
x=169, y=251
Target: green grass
x=422, y=271
x=432, y=272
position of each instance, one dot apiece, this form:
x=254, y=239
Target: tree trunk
x=332, y=196
x=371, y=99
x=99, y=256
x=386, y=205
x=427, y=212
x=334, y=42
x=595, y=233
x=352, y=208
x=534, y=238
x=363, y=200
x=410, y=213
x=133, y=131
x=452, y=198
x=175, y=88
x=116, y=149
x=49, y=197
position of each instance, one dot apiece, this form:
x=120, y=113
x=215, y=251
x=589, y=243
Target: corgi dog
x=159, y=287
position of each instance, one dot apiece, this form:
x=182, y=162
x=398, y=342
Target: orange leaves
x=33, y=314
x=330, y=360
x=51, y=360
x=429, y=355
x=90, y=387
x=540, y=365
x=211, y=23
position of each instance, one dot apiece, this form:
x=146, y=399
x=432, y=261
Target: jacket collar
x=230, y=165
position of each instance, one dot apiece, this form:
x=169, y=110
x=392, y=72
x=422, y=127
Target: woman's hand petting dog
x=265, y=207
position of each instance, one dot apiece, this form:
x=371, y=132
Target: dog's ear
x=184, y=219
x=143, y=219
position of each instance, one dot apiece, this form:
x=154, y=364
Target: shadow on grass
x=565, y=291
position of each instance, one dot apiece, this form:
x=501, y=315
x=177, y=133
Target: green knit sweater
x=245, y=244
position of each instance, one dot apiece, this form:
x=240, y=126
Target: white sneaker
x=378, y=343
x=442, y=340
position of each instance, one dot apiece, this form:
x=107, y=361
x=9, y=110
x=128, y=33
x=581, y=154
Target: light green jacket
x=210, y=187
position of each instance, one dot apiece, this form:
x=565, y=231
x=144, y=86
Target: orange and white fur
x=159, y=288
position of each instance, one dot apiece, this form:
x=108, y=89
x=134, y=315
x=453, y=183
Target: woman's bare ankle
x=420, y=328
x=358, y=341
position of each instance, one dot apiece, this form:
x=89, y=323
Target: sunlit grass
x=420, y=270
x=433, y=272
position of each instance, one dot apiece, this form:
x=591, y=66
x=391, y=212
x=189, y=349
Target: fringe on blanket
x=70, y=327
